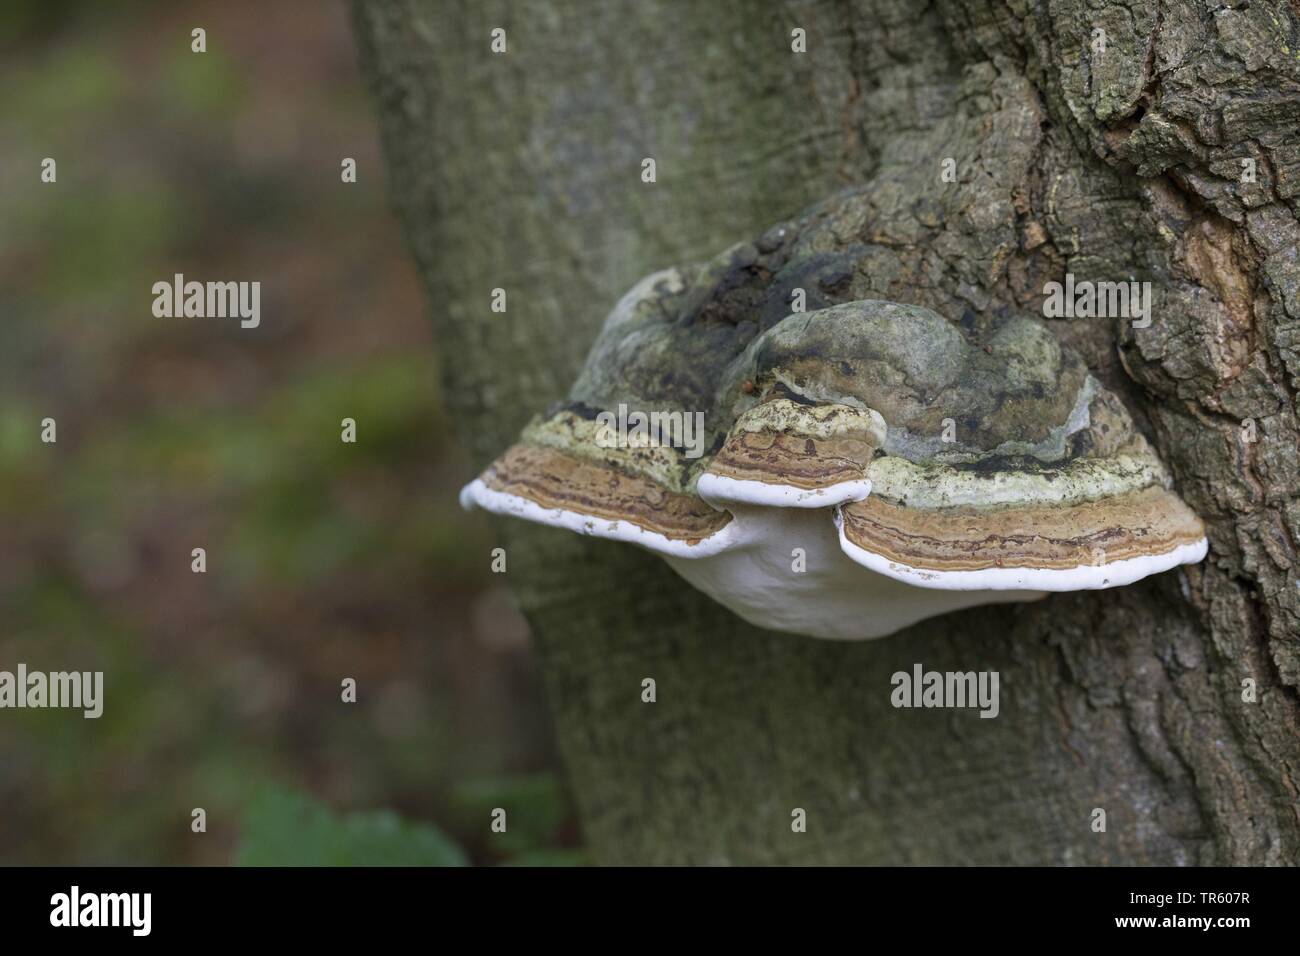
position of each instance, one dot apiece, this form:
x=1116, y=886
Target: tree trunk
x=522, y=171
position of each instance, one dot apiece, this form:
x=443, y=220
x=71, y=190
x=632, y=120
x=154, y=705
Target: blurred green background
x=325, y=560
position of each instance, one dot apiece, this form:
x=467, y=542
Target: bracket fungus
x=866, y=465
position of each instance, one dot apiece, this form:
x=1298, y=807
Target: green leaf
x=289, y=829
x=535, y=806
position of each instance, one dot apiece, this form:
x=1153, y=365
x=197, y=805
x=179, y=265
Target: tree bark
x=521, y=171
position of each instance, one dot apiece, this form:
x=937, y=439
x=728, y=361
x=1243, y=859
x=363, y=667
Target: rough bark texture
x=521, y=171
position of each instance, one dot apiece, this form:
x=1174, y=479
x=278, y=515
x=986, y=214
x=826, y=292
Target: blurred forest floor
x=325, y=560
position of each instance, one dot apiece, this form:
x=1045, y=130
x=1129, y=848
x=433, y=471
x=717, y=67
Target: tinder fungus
x=849, y=470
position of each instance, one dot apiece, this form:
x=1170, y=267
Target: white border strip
x=499, y=502
x=1085, y=577
x=719, y=490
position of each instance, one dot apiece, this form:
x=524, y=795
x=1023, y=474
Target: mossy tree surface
x=522, y=171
